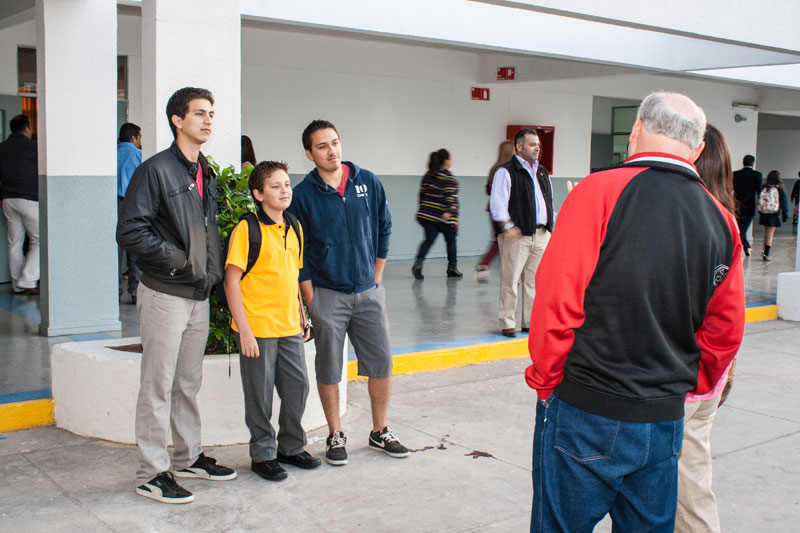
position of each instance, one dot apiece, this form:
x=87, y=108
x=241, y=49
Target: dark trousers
x=432, y=229
x=744, y=222
x=281, y=365
x=122, y=256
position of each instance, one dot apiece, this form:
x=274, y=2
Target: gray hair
x=658, y=116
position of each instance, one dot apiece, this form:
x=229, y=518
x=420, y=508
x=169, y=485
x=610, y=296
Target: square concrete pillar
x=76, y=58
x=192, y=43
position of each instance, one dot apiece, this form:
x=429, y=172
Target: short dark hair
x=262, y=171
x=437, y=159
x=128, y=130
x=748, y=160
x=19, y=123
x=178, y=103
x=520, y=136
x=316, y=125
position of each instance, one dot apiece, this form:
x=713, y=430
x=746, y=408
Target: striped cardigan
x=438, y=194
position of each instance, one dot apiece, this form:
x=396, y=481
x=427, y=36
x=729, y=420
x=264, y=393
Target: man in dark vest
x=521, y=204
x=746, y=184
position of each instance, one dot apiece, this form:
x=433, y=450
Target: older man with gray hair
x=640, y=300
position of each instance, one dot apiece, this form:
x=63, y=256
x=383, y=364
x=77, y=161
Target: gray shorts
x=362, y=316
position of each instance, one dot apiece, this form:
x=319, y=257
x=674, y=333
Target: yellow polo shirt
x=269, y=290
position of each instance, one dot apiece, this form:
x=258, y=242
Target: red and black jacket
x=639, y=294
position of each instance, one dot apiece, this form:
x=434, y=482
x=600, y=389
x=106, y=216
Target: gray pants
x=174, y=331
x=281, y=364
x=22, y=217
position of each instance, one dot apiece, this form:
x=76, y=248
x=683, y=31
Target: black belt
x=540, y=226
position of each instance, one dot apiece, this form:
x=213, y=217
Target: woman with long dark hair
x=697, y=505
x=248, y=154
x=772, y=206
x=438, y=212
x=504, y=154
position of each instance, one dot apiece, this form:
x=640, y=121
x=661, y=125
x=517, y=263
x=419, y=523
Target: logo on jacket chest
x=719, y=274
x=361, y=191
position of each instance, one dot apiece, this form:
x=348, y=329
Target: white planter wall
x=95, y=390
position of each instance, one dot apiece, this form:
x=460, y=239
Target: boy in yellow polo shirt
x=270, y=325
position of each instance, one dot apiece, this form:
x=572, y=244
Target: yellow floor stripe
x=22, y=415
x=760, y=314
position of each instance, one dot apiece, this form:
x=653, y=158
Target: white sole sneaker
x=336, y=462
x=202, y=474
x=387, y=452
x=154, y=493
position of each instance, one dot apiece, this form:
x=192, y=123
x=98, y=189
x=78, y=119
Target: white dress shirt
x=501, y=191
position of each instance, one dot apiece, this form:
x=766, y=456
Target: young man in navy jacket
x=640, y=301
x=347, y=226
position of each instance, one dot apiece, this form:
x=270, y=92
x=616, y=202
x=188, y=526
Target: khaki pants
x=518, y=262
x=174, y=331
x=697, y=505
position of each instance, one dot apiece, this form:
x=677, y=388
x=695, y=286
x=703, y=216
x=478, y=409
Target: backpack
x=769, y=200
x=253, y=247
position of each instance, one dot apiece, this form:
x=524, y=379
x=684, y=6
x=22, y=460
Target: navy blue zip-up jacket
x=343, y=235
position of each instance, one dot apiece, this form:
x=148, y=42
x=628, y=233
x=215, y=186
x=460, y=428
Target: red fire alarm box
x=506, y=73
x=480, y=93
x=546, y=139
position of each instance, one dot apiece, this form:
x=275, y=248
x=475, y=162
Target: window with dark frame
x=622, y=120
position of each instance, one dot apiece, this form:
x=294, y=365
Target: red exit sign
x=480, y=93
x=506, y=73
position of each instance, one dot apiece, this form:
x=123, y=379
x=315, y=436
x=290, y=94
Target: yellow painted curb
x=23, y=415
x=450, y=357
x=760, y=314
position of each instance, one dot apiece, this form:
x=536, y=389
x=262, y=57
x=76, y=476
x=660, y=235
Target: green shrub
x=234, y=200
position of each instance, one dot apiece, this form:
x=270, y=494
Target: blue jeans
x=586, y=466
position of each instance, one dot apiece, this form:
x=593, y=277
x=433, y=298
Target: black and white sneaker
x=163, y=488
x=336, y=454
x=385, y=441
x=207, y=468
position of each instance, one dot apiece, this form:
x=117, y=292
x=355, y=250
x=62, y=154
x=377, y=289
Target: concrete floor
x=56, y=481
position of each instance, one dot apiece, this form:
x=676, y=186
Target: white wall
x=129, y=43
x=394, y=102
x=779, y=150
x=19, y=35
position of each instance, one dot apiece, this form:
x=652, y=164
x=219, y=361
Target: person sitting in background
x=248, y=154
x=438, y=212
x=504, y=153
x=772, y=207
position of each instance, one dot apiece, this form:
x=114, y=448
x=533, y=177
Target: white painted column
x=77, y=112
x=192, y=43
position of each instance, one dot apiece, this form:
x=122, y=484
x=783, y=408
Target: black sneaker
x=207, y=468
x=385, y=441
x=336, y=454
x=300, y=460
x=270, y=470
x=163, y=488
